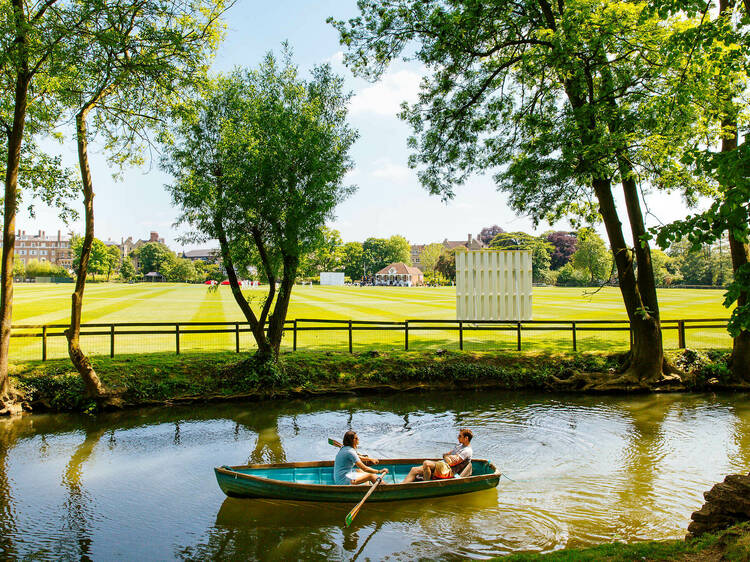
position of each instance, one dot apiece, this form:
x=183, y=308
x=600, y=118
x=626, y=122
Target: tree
x=380, y=252
x=430, y=255
x=569, y=99
x=592, y=256
x=488, y=233
x=113, y=260
x=127, y=270
x=564, y=246
x=19, y=269
x=664, y=268
x=352, y=260
x=719, y=46
x=181, y=271
x=133, y=59
x=704, y=265
x=99, y=260
x=208, y=271
x=327, y=256
x=154, y=256
x=539, y=247
x=260, y=162
x=446, y=265
x=399, y=249
x=35, y=42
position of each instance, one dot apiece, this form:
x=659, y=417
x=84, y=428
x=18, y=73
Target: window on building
x=32, y=252
x=22, y=252
x=42, y=252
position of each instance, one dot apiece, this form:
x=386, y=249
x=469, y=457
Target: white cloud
x=389, y=171
x=385, y=97
x=336, y=59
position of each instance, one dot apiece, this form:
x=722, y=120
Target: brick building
x=43, y=248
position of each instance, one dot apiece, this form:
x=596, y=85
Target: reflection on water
x=581, y=470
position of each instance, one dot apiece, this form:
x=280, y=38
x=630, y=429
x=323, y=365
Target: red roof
x=399, y=268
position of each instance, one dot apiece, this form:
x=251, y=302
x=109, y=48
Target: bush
x=568, y=276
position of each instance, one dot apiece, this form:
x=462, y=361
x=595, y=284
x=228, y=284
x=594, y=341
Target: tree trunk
x=15, y=140
x=256, y=325
x=94, y=387
x=276, y=323
x=740, y=360
x=647, y=352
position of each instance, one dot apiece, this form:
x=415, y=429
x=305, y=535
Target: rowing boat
x=313, y=481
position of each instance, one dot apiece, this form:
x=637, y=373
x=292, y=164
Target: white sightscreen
x=493, y=285
x=331, y=278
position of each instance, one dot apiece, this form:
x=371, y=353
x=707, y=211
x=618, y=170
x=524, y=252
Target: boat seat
x=466, y=472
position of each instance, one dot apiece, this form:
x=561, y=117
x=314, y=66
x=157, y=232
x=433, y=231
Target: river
x=580, y=470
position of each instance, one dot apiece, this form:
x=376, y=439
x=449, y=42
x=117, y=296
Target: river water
x=581, y=470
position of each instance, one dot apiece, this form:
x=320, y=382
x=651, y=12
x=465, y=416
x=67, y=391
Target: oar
x=353, y=513
x=364, y=456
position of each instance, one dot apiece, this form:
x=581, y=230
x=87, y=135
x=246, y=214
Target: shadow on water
x=79, y=505
x=280, y=529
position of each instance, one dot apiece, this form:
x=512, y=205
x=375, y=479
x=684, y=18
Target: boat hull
x=278, y=481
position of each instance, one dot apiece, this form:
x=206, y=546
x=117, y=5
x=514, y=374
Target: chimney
x=469, y=238
x=154, y=236
x=40, y=234
x=19, y=232
x=58, y=235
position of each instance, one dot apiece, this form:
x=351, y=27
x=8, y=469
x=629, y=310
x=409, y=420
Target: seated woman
x=348, y=468
x=458, y=459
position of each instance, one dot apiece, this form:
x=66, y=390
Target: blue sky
x=389, y=199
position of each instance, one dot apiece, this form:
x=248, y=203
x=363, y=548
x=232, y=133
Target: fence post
x=294, y=338
x=177, y=338
x=575, y=343
x=681, y=333
x=406, y=335
x=111, y=340
x=461, y=336
x=350, y=336
x=518, y=337
x=44, y=343
x=237, y=337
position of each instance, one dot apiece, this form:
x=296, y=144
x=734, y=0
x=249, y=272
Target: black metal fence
x=34, y=342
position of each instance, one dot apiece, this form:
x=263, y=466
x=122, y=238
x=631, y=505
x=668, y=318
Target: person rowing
x=348, y=468
x=454, y=461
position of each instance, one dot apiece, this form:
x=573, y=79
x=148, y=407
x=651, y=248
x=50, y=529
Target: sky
x=389, y=199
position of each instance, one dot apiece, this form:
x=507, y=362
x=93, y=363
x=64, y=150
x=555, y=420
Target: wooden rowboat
x=313, y=481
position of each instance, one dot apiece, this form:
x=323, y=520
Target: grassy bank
x=147, y=379
x=730, y=544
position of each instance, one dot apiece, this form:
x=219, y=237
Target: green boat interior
x=324, y=474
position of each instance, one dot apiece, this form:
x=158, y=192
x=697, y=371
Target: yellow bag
x=442, y=471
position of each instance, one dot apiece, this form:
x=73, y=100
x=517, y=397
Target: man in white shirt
x=457, y=459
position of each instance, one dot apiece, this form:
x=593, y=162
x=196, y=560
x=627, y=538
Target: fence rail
x=47, y=341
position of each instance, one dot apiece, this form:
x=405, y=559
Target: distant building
x=398, y=274
x=127, y=247
x=208, y=256
x=470, y=243
x=43, y=248
x=416, y=254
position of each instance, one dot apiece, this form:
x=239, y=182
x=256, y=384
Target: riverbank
x=165, y=378
x=730, y=544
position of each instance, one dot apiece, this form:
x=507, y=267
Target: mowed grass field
x=39, y=304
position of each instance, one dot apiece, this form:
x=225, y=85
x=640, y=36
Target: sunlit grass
x=175, y=303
